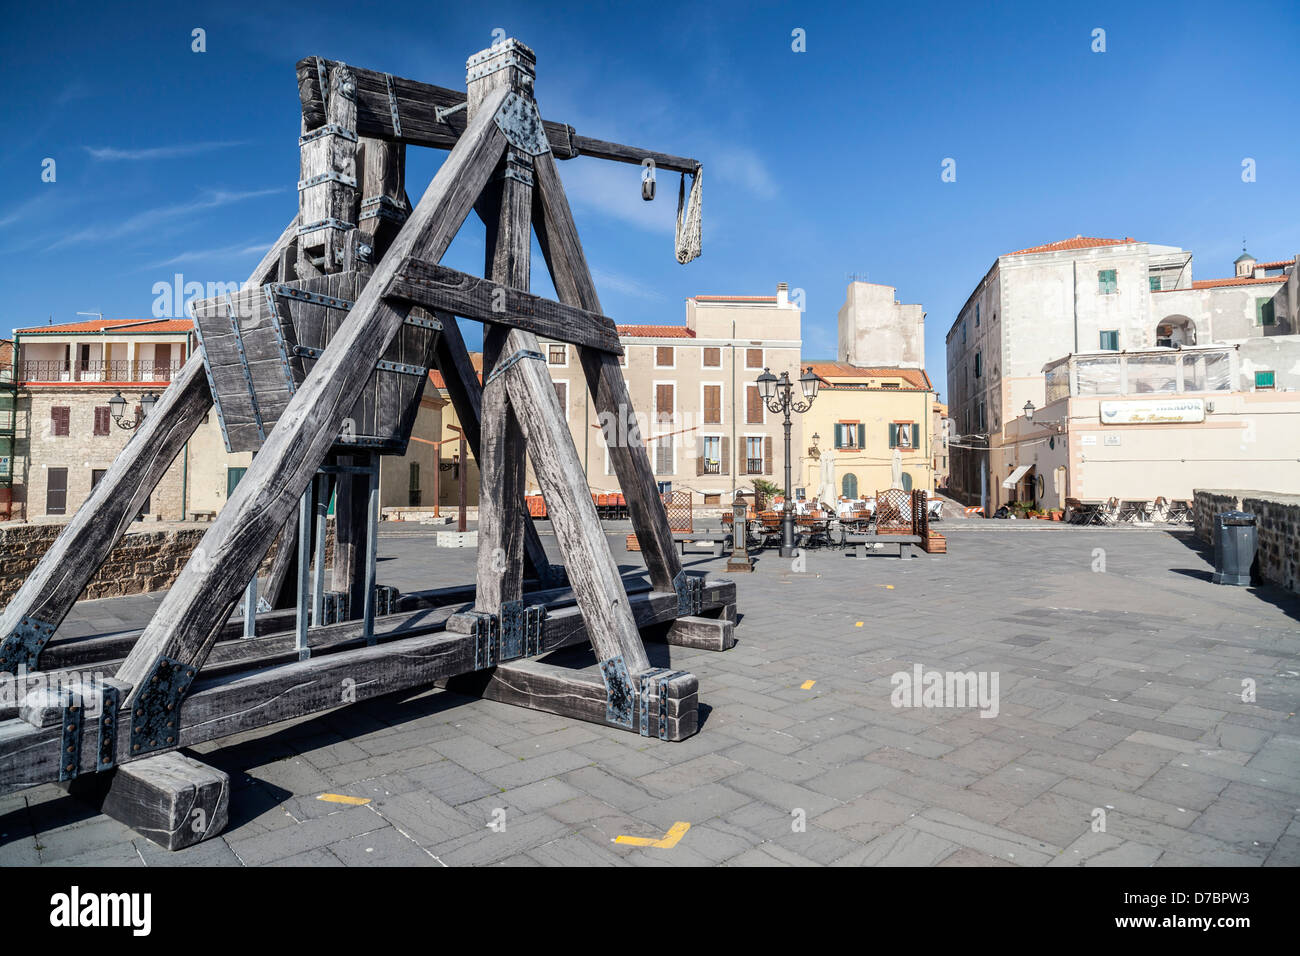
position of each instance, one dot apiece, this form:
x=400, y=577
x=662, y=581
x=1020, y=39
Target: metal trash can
x=1234, y=547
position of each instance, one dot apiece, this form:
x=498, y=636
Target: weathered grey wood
x=702, y=633
x=417, y=106
x=558, y=237
x=282, y=583
x=171, y=799
x=581, y=694
x=438, y=288
x=351, y=503
x=62, y=574
x=231, y=703
x=502, y=516
x=334, y=155
x=189, y=618
x=383, y=192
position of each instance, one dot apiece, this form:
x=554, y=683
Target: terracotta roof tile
x=656, y=331
x=734, y=298
x=1078, y=242
x=1232, y=280
x=915, y=377
x=113, y=327
x=1280, y=264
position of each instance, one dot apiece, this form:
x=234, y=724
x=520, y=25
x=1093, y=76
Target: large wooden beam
x=558, y=237
x=418, y=105
x=190, y=617
x=437, y=288
x=77, y=553
x=233, y=703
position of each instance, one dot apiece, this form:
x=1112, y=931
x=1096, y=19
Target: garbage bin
x=1234, y=547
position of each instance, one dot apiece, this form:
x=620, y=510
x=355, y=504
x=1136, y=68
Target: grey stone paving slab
x=1132, y=707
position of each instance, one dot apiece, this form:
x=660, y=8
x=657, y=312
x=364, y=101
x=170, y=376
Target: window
x=665, y=356
x=413, y=489
x=1109, y=340
x=753, y=405
x=979, y=366
x=1264, y=312
x=850, y=435
x=977, y=315
x=562, y=393
x=232, y=479
x=59, y=417
x=1263, y=379
x=1106, y=282
x=101, y=419
x=849, y=485
x=665, y=401
x=963, y=333
x=96, y=476
x=712, y=358
x=753, y=358
x=1155, y=283
x=901, y=434
x=758, y=455
x=557, y=355
x=56, y=491
x=664, y=455
x=889, y=385
x=712, y=456
x=713, y=404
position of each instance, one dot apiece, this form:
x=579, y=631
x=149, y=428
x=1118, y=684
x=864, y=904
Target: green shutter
x=1263, y=311
x=862, y=436
x=1264, y=379
x=893, y=436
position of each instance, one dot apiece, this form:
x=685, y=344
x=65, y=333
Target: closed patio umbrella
x=896, y=470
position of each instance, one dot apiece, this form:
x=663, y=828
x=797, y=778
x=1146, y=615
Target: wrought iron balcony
x=56, y=370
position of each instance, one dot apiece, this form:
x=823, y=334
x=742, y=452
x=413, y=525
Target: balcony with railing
x=56, y=370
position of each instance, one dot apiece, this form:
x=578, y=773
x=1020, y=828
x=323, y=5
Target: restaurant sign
x=1153, y=412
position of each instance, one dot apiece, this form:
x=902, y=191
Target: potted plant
x=763, y=491
x=1057, y=514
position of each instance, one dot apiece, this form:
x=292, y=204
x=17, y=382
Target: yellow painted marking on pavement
x=859, y=624
x=340, y=798
x=807, y=685
x=890, y=586
x=670, y=840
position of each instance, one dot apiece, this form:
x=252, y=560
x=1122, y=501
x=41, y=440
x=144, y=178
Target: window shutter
x=664, y=356
x=664, y=403
x=59, y=419
x=713, y=404
x=699, y=455
x=753, y=358
x=713, y=358
x=862, y=436
x=893, y=435
x=753, y=405
x=767, y=455
x=101, y=420
x=725, y=457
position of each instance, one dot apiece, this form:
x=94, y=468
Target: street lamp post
x=117, y=404
x=778, y=396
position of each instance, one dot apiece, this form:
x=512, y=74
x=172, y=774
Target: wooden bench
x=862, y=543
x=717, y=540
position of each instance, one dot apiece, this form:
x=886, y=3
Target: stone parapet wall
x=147, y=559
x=1277, y=529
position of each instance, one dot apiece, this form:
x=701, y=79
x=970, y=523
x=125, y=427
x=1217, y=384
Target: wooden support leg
x=191, y=615
x=558, y=237
x=701, y=633
x=351, y=501
x=170, y=798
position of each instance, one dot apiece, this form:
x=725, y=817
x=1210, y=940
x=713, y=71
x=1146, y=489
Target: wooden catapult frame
x=361, y=264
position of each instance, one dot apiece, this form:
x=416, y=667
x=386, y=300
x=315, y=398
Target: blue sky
x=817, y=164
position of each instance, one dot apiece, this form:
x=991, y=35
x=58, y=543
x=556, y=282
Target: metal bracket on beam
x=502, y=367
x=512, y=630
x=155, y=714
x=422, y=323
x=521, y=124
x=109, y=702
x=330, y=223
x=329, y=129
x=534, y=614
x=312, y=298
x=401, y=368
x=383, y=207
x=327, y=177
x=392, y=105
x=440, y=113
x=70, y=744
x=23, y=645
x=487, y=640
x=690, y=593
x=619, y=695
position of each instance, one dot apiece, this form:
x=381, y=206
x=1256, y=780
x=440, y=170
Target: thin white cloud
x=743, y=168
x=153, y=218
x=111, y=153
x=237, y=250
x=614, y=282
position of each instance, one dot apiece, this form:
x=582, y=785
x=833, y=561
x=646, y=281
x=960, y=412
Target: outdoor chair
x=1108, y=513
x=1159, y=510
x=1180, y=511
x=1132, y=511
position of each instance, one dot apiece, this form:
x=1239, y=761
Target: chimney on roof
x=782, y=295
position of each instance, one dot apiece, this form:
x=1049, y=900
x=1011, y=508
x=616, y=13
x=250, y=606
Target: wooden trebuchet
x=206, y=591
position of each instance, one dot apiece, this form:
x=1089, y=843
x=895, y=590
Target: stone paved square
x=1120, y=696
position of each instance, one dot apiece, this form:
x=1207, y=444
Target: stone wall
x=1277, y=529
x=148, y=559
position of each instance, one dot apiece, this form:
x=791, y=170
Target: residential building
x=694, y=390
x=940, y=429
x=878, y=331
x=1087, y=294
x=8, y=407
x=864, y=419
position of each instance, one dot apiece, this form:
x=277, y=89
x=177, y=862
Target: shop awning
x=1014, y=478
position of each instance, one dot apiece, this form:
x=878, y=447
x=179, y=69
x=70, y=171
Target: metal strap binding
x=331, y=176
x=329, y=129
x=502, y=367
x=23, y=645
x=519, y=121
x=422, y=323
x=534, y=614
x=306, y=351
x=70, y=742
x=440, y=113
x=243, y=364
x=324, y=89
x=690, y=593
x=619, y=696
x=392, y=105
x=312, y=298
x=401, y=368
x=663, y=701
x=487, y=640
x=330, y=223
x=383, y=207
x=109, y=701
x=512, y=630
x=155, y=715
x=274, y=308
x=644, y=695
